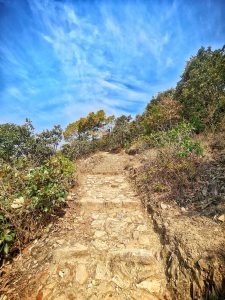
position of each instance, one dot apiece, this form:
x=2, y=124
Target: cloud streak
x=62, y=59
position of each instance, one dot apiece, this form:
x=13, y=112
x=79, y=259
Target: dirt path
x=106, y=250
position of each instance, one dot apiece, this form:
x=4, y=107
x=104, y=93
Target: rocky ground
x=104, y=247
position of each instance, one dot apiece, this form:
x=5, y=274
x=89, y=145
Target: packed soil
x=109, y=245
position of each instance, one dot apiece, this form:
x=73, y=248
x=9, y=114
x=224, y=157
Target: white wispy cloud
x=62, y=59
x=85, y=49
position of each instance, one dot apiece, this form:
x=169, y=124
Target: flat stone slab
x=69, y=252
x=136, y=255
x=99, y=204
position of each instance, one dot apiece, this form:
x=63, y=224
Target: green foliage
x=179, y=138
x=46, y=186
x=18, y=141
x=98, y=132
x=89, y=127
x=159, y=187
x=46, y=144
x=201, y=89
x=120, y=135
x=162, y=113
x=7, y=235
x=80, y=148
x=188, y=146
x=41, y=188
x=15, y=140
x=30, y=193
x=124, y=132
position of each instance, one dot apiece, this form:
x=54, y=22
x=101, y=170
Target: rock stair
x=121, y=260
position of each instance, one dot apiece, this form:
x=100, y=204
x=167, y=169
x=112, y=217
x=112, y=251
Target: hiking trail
x=104, y=248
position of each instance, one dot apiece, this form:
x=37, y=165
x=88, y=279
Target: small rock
x=183, y=209
x=142, y=228
x=67, y=252
x=99, y=233
x=136, y=235
x=39, y=295
x=101, y=272
x=98, y=223
x=203, y=264
x=163, y=206
x=144, y=240
x=69, y=198
x=100, y=245
x=151, y=286
x=120, y=282
x=221, y=218
x=81, y=274
x=95, y=216
x=141, y=256
x=61, y=274
x=60, y=242
x=204, y=191
x=18, y=203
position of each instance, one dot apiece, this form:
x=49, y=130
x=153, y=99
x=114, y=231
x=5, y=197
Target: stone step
x=99, y=204
x=65, y=253
x=136, y=255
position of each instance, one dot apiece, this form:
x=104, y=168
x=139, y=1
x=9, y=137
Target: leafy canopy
x=201, y=89
x=88, y=127
x=20, y=141
x=162, y=113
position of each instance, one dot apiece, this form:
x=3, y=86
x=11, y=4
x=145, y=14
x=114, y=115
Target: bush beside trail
x=34, y=182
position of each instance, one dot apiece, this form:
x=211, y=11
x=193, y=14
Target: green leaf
x=8, y=238
x=6, y=248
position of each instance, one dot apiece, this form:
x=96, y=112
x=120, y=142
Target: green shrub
x=27, y=195
x=171, y=176
x=7, y=235
x=180, y=138
x=46, y=186
x=188, y=146
x=79, y=148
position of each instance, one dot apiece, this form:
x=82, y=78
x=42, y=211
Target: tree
x=15, y=139
x=121, y=131
x=89, y=127
x=20, y=141
x=201, y=89
x=46, y=143
x=162, y=113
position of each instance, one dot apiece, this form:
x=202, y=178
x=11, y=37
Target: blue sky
x=61, y=59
